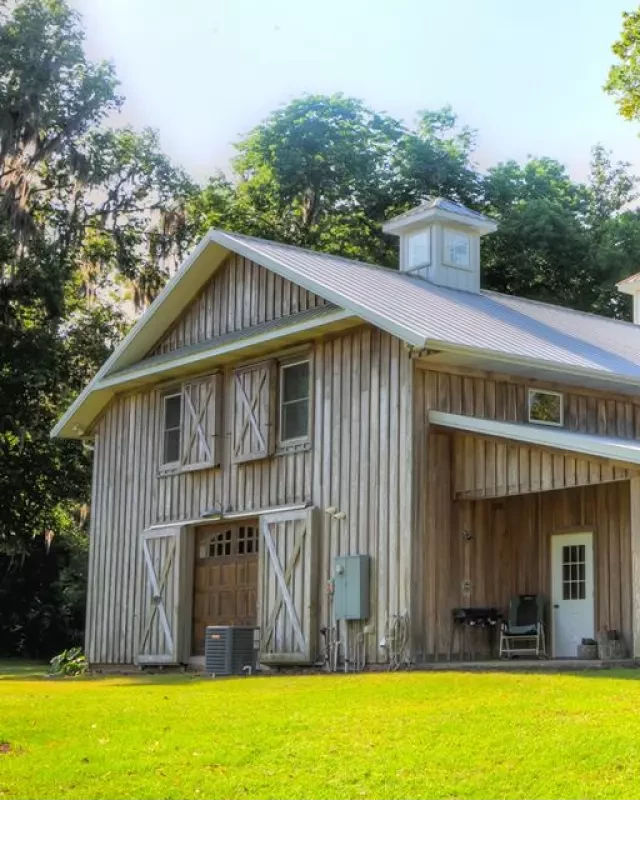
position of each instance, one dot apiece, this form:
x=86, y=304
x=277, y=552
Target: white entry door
x=572, y=592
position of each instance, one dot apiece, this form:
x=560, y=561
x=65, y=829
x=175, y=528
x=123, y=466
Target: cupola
x=440, y=242
x=631, y=286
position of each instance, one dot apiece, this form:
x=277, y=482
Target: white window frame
x=559, y=394
x=300, y=439
x=423, y=264
x=458, y=232
x=176, y=391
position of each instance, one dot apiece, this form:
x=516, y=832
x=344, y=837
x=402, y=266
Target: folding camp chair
x=523, y=632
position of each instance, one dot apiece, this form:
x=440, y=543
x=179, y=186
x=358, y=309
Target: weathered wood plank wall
x=487, y=468
x=501, y=547
x=506, y=400
x=239, y=295
x=361, y=428
x=513, y=530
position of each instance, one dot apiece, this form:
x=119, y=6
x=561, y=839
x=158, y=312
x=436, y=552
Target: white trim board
x=606, y=447
x=227, y=516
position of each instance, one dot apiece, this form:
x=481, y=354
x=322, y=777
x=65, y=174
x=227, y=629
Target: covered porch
x=511, y=510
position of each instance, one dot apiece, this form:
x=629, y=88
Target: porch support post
x=634, y=487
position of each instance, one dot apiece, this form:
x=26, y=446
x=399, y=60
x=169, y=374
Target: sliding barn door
x=162, y=615
x=288, y=588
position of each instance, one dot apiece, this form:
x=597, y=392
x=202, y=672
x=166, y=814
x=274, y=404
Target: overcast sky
x=527, y=76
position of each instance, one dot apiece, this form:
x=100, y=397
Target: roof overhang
x=601, y=446
x=533, y=369
x=630, y=285
x=250, y=343
x=413, y=219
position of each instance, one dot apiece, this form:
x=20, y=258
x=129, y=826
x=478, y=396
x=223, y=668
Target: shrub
x=69, y=662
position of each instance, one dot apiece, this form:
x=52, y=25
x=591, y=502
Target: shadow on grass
x=22, y=669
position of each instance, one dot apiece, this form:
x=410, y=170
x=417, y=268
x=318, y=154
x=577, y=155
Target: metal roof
x=443, y=204
x=437, y=317
x=603, y=446
x=524, y=334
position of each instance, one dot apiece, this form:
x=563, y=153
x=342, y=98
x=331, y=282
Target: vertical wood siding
x=240, y=294
x=361, y=418
x=502, y=547
x=506, y=400
x=486, y=468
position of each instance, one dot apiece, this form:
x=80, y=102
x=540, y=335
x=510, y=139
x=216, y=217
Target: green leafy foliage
x=89, y=216
x=324, y=172
x=623, y=81
x=69, y=662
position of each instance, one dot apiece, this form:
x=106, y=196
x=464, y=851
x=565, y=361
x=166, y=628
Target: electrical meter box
x=351, y=587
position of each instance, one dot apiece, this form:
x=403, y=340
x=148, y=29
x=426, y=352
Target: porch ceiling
x=601, y=446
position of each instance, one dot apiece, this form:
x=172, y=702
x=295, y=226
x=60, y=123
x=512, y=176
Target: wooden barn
x=276, y=409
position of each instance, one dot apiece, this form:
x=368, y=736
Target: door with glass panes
x=573, y=610
x=225, y=577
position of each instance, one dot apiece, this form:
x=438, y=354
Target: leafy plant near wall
x=69, y=662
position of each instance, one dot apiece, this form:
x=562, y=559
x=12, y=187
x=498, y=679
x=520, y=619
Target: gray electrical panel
x=351, y=587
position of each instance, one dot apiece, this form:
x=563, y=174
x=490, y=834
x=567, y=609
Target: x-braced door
x=160, y=629
x=287, y=591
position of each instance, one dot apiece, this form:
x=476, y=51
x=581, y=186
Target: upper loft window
x=294, y=401
x=546, y=407
x=171, y=428
x=418, y=250
x=457, y=248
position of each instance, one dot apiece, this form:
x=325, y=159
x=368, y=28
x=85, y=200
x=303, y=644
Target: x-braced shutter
x=159, y=637
x=253, y=412
x=201, y=432
x=287, y=588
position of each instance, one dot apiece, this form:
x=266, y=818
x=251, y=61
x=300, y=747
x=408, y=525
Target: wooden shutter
x=288, y=597
x=201, y=429
x=253, y=412
x=160, y=635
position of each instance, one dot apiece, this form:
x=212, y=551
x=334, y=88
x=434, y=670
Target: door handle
x=556, y=606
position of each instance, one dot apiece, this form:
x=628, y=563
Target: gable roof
x=439, y=208
x=512, y=331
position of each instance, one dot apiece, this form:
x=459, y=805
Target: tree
x=87, y=214
x=623, y=82
x=324, y=172
x=559, y=240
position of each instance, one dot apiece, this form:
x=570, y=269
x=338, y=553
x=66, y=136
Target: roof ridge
x=311, y=251
x=564, y=308
x=420, y=282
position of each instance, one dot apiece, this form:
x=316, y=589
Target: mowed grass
x=416, y=735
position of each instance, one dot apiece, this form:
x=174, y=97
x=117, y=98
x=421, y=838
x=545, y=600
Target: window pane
x=295, y=382
x=295, y=420
x=457, y=248
x=418, y=250
x=171, y=446
x=545, y=407
x=172, y=412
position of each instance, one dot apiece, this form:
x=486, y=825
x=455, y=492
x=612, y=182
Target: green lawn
x=383, y=735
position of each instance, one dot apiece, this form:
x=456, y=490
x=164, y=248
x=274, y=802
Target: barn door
x=201, y=423
x=253, y=411
x=160, y=635
x=287, y=587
